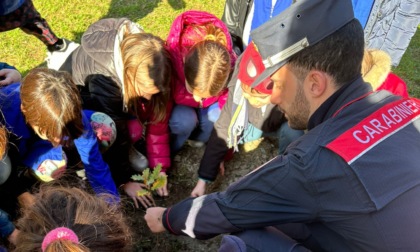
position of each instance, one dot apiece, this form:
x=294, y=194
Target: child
x=51, y=106
x=201, y=48
x=22, y=14
x=125, y=73
x=69, y=219
x=247, y=115
x=14, y=189
x=8, y=74
x=7, y=228
x=376, y=70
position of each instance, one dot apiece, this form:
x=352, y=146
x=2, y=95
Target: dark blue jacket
x=5, y=65
x=353, y=179
x=6, y=226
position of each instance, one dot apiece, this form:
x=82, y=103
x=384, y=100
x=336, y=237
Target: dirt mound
x=181, y=182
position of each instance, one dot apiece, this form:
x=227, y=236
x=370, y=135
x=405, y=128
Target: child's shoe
x=195, y=144
x=137, y=160
x=253, y=145
x=58, y=54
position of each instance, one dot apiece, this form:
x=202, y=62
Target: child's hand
x=9, y=76
x=26, y=200
x=131, y=189
x=153, y=218
x=163, y=191
x=199, y=189
x=13, y=236
x=222, y=168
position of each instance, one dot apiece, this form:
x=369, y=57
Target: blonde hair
x=98, y=224
x=3, y=141
x=147, y=65
x=51, y=101
x=207, y=67
x=376, y=66
x=207, y=63
x=199, y=33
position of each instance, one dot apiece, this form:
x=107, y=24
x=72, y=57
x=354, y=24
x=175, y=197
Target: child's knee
x=183, y=119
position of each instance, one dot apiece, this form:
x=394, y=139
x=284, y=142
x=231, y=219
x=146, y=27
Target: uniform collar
x=345, y=94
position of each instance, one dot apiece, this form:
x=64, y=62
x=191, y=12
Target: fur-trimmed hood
x=376, y=66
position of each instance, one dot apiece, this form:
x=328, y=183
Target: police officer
x=352, y=181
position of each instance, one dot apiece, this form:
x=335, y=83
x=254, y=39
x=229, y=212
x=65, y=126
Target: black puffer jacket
x=217, y=146
x=234, y=16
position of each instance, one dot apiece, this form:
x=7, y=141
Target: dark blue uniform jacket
x=354, y=179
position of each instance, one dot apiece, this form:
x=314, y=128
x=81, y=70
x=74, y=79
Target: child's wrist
x=204, y=180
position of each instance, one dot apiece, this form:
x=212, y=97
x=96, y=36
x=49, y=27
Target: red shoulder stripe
x=375, y=128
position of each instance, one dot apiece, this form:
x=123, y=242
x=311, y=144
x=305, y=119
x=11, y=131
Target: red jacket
x=395, y=85
x=176, y=43
x=157, y=137
x=376, y=70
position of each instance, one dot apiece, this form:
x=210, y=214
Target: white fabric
x=56, y=59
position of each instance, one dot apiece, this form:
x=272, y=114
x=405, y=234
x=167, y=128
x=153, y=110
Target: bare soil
x=181, y=181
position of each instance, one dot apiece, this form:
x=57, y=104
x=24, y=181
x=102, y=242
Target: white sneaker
x=195, y=144
x=56, y=59
x=137, y=160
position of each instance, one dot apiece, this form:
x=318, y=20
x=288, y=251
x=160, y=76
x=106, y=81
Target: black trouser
x=28, y=19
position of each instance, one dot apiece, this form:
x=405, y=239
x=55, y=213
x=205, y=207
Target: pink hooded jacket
x=175, y=45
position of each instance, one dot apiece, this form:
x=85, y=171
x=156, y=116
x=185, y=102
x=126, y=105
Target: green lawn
x=70, y=18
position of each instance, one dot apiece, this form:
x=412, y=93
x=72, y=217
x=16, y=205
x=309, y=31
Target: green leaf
x=137, y=177
x=159, y=183
x=143, y=192
x=146, y=174
x=150, y=181
x=156, y=171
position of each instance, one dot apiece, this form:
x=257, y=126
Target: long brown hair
x=207, y=67
x=98, y=224
x=207, y=64
x=51, y=101
x=147, y=64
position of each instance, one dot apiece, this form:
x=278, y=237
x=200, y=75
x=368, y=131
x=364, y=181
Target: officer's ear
x=317, y=83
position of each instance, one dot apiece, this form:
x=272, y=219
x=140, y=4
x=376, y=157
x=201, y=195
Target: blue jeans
x=191, y=123
x=284, y=134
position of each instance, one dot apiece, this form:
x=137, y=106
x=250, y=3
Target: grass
x=70, y=18
x=409, y=67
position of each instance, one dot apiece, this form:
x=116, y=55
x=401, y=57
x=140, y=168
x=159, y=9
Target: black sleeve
x=271, y=195
x=102, y=93
x=216, y=147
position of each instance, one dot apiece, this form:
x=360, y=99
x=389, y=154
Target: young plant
x=152, y=181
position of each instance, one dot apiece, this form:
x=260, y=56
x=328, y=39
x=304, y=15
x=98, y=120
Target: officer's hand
x=153, y=218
